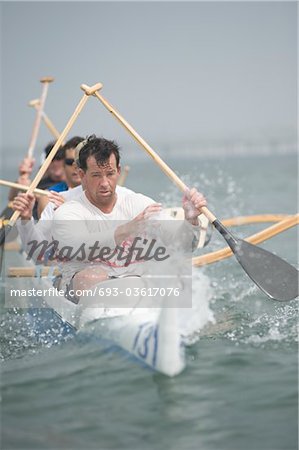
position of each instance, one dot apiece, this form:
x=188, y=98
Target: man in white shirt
x=106, y=214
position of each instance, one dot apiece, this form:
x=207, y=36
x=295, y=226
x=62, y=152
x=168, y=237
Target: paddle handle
x=163, y=166
x=45, y=82
x=91, y=90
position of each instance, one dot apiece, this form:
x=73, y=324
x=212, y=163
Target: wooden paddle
x=5, y=230
x=45, y=82
x=22, y=187
x=49, y=124
x=7, y=212
x=261, y=236
x=274, y=276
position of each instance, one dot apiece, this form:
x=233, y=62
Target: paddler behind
x=59, y=193
x=53, y=175
x=71, y=175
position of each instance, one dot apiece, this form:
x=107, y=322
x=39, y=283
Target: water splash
x=278, y=327
x=29, y=331
x=193, y=320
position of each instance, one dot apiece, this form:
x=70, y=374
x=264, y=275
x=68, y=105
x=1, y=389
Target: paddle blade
x=4, y=234
x=274, y=276
x=6, y=213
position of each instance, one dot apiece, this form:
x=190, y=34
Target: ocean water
x=240, y=387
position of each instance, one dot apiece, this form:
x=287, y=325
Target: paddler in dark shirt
x=72, y=178
x=53, y=175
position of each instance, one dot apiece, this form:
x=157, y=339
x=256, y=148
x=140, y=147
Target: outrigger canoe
x=145, y=329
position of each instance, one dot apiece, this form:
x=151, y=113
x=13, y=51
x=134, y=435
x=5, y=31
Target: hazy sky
x=177, y=71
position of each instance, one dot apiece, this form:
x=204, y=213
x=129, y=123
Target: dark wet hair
x=59, y=154
x=100, y=148
x=72, y=143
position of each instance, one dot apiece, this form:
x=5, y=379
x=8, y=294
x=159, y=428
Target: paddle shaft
x=51, y=127
x=36, y=125
x=49, y=124
x=163, y=166
x=22, y=187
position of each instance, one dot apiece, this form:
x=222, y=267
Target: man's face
x=100, y=181
x=71, y=170
x=56, y=171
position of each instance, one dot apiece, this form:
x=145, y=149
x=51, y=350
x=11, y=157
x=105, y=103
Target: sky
x=180, y=72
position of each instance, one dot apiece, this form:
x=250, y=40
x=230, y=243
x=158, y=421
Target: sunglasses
x=69, y=161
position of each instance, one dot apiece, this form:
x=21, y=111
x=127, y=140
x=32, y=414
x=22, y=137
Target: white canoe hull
x=153, y=338
x=150, y=334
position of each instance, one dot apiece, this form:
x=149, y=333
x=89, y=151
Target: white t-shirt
x=79, y=222
x=78, y=208
x=78, y=225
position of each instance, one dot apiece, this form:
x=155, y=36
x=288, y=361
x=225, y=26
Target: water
x=239, y=390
